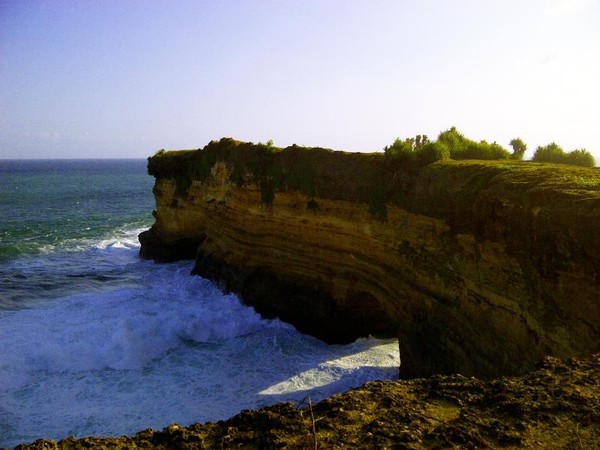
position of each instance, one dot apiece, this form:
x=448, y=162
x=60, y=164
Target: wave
x=98, y=341
x=15, y=245
x=124, y=328
x=169, y=347
x=74, y=265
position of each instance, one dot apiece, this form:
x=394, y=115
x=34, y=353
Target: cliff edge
x=479, y=268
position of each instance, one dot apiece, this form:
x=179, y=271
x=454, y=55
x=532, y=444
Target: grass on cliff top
x=527, y=175
x=371, y=178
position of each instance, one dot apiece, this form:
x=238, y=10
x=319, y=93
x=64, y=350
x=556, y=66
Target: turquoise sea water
x=94, y=340
x=53, y=213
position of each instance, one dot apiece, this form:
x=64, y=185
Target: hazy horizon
x=123, y=79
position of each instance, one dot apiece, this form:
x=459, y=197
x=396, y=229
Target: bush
x=402, y=151
x=456, y=143
x=420, y=151
x=549, y=153
x=498, y=152
x=552, y=153
x=461, y=147
x=482, y=150
x=581, y=157
x=432, y=152
x=519, y=148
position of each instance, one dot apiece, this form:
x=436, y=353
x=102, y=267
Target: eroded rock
x=480, y=268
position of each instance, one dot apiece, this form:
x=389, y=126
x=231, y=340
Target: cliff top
x=374, y=178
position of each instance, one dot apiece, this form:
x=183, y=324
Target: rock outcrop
x=479, y=268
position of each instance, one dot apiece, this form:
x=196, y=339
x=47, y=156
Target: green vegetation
x=519, y=148
x=450, y=144
x=549, y=153
x=555, y=154
x=463, y=148
x=581, y=157
x=375, y=179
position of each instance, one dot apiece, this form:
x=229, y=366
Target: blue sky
x=123, y=78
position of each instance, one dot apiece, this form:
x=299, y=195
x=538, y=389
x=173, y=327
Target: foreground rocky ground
x=556, y=406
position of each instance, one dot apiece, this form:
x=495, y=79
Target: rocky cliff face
x=480, y=268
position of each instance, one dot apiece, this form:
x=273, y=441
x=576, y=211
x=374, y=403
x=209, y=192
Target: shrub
x=498, y=152
x=420, y=151
x=549, y=153
x=456, y=143
x=461, y=147
x=432, y=152
x=580, y=157
x=519, y=148
x=554, y=154
x=402, y=151
x=483, y=150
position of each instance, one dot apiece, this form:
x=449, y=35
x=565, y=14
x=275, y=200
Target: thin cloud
x=560, y=7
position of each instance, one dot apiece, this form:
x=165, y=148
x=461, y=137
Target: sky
x=125, y=78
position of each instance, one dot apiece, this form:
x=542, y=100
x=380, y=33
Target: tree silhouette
x=549, y=153
x=519, y=148
x=581, y=157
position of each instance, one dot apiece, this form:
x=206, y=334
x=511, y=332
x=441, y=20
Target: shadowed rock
x=478, y=267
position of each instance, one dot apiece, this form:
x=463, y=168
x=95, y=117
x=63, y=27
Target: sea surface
x=96, y=341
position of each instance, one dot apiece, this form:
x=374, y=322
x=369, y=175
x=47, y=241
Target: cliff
x=479, y=268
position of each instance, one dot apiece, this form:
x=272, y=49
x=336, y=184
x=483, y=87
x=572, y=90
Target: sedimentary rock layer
x=480, y=268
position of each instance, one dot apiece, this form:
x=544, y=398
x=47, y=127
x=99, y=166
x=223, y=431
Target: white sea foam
x=123, y=237
x=157, y=346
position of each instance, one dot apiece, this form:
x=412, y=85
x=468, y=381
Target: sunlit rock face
x=480, y=268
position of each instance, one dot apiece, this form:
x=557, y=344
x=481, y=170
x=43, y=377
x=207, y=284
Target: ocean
x=96, y=341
